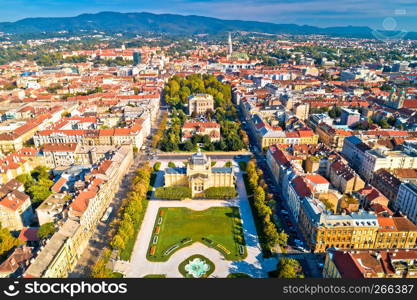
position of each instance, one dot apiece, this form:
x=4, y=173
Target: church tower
x=400, y=100
x=230, y=48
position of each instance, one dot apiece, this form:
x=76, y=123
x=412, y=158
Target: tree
x=40, y=172
x=259, y=195
x=7, y=241
x=171, y=165
x=46, y=230
x=188, y=146
x=271, y=234
x=289, y=268
x=117, y=242
x=99, y=269
x=283, y=239
x=157, y=166
x=384, y=124
x=39, y=191
x=26, y=179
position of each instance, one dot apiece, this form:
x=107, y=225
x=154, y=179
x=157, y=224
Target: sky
x=378, y=14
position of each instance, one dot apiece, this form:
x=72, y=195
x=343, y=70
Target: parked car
x=300, y=248
x=298, y=242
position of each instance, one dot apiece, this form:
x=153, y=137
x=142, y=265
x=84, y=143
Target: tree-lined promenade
x=261, y=203
x=128, y=222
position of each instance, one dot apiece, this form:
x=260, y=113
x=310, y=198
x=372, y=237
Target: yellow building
x=356, y=230
x=395, y=232
x=199, y=175
x=200, y=104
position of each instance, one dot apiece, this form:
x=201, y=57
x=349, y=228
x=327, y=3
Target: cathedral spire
x=230, y=48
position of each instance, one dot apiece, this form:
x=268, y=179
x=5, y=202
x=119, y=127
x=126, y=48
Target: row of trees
x=262, y=203
x=160, y=131
x=132, y=213
x=130, y=217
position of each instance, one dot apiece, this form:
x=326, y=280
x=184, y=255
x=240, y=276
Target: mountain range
x=142, y=22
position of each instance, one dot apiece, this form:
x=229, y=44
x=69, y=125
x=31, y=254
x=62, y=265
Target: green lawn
x=155, y=276
x=179, y=227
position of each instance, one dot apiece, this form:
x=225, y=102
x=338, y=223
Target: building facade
x=199, y=175
x=406, y=201
x=199, y=104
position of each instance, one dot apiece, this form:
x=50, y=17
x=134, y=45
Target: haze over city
x=321, y=13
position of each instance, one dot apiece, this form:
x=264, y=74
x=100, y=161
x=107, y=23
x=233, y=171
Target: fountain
x=197, y=267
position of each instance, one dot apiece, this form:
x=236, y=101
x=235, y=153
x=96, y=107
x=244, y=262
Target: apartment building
x=406, y=201
x=15, y=206
x=343, y=177
x=386, y=183
x=356, y=264
x=332, y=137
x=366, y=161
x=395, y=233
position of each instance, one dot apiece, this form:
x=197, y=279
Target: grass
x=238, y=275
x=184, y=273
x=181, y=227
x=155, y=276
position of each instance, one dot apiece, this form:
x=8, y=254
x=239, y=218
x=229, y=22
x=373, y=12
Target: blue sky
x=322, y=13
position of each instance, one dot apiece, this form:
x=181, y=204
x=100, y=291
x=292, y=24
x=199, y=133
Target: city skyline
x=302, y=12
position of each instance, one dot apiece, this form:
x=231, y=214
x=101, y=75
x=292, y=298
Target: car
x=299, y=248
x=298, y=242
x=106, y=215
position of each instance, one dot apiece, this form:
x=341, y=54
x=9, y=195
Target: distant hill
x=171, y=24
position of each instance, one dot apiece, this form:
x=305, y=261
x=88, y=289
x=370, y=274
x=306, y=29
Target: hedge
x=173, y=192
x=223, y=192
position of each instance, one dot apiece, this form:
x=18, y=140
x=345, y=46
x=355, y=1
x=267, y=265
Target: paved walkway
x=254, y=264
